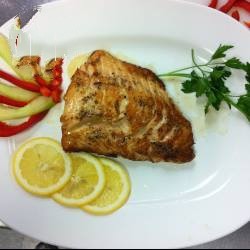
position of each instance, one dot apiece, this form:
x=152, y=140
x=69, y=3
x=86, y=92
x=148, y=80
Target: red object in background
x=213, y=4
x=20, y=83
x=8, y=130
x=10, y=102
x=243, y=4
x=228, y=6
x=236, y=15
x=247, y=24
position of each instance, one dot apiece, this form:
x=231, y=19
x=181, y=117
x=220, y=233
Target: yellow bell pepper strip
x=16, y=93
x=36, y=106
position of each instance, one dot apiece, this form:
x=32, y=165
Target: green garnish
x=209, y=80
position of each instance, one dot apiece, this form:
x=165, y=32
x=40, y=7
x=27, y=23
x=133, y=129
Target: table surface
x=237, y=240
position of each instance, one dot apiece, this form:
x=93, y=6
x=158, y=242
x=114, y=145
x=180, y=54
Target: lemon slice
x=76, y=63
x=86, y=183
x=116, y=191
x=41, y=167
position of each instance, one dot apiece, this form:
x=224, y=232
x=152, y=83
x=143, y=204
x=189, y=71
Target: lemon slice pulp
x=86, y=184
x=41, y=167
x=116, y=191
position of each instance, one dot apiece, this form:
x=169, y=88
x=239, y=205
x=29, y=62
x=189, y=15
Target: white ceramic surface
x=171, y=206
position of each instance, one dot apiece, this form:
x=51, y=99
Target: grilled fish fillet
x=114, y=108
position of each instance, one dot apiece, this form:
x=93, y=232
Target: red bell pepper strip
x=11, y=102
x=45, y=91
x=56, y=83
x=20, y=83
x=247, y=24
x=56, y=95
x=236, y=15
x=213, y=4
x=228, y=6
x=8, y=130
x=40, y=81
x=243, y=4
x=57, y=71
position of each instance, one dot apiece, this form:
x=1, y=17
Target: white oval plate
x=170, y=206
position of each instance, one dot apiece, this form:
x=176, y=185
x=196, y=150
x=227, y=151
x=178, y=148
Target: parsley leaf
x=209, y=80
x=247, y=70
x=244, y=105
x=220, y=72
x=220, y=52
x=218, y=77
x=247, y=86
x=212, y=100
x=196, y=85
x=235, y=63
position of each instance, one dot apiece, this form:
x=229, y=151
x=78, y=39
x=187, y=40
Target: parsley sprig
x=209, y=80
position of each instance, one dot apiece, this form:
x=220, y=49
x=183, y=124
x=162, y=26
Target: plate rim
x=9, y=22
